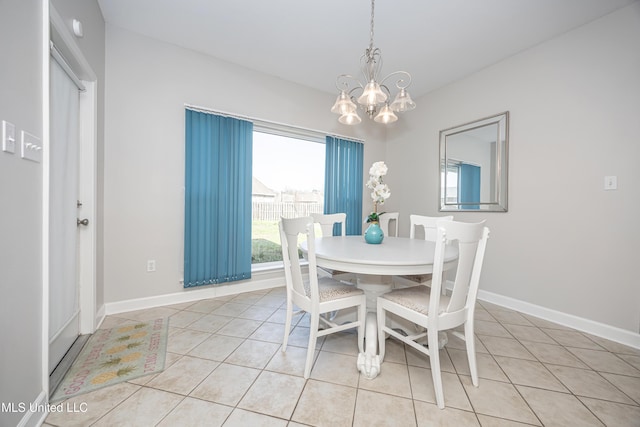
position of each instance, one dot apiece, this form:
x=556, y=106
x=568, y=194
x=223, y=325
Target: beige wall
x=565, y=244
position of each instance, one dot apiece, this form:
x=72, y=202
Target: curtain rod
x=266, y=122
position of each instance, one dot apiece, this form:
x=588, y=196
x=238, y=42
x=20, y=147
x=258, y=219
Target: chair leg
x=287, y=325
x=381, y=334
x=434, y=358
x=311, y=347
x=469, y=338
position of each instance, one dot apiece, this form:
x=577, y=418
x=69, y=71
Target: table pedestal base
x=373, y=286
x=369, y=361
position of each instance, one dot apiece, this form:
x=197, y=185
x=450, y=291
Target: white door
x=64, y=308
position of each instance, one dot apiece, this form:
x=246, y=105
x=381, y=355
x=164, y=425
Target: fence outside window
x=272, y=211
x=265, y=234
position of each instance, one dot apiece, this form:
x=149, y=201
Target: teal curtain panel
x=343, y=182
x=218, y=170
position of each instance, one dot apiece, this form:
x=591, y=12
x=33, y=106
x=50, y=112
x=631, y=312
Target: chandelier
x=375, y=95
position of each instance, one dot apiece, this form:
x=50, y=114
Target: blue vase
x=374, y=234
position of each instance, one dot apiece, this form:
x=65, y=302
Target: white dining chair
x=386, y=220
x=327, y=223
x=315, y=296
x=427, y=225
x=427, y=308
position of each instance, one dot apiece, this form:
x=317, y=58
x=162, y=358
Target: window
x=451, y=192
x=288, y=181
x=242, y=176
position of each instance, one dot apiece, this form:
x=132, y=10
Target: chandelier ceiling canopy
x=373, y=96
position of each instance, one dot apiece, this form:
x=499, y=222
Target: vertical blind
x=343, y=181
x=469, y=185
x=218, y=171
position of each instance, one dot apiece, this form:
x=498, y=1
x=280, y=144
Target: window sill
x=267, y=267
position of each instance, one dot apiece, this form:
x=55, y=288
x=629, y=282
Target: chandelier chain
x=371, y=33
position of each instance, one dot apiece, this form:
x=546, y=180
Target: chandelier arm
x=364, y=66
x=378, y=61
x=399, y=82
x=342, y=83
x=351, y=95
x=385, y=88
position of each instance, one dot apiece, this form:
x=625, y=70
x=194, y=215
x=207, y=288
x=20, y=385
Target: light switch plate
x=8, y=137
x=31, y=147
x=610, y=182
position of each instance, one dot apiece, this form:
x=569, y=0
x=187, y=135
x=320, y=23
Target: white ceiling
x=311, y=42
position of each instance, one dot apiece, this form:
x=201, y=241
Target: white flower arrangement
x=379, y=190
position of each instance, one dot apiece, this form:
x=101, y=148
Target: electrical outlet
x=151, y=265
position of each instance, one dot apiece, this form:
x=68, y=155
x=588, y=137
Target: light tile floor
x=224, y=368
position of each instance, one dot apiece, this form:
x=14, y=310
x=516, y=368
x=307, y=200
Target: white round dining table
x=395, y=256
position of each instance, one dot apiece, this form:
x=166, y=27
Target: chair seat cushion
x=418, y=278
x=333, y=272
x=416, y=298
x=330, y=289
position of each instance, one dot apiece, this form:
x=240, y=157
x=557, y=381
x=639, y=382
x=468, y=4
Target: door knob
x=83, y=222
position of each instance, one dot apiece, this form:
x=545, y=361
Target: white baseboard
x=37, y=417
x=612, y=333
x=100, y=315
x=192, y=295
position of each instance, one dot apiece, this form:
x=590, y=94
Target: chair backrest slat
x=428, y=223
x=327, y=222
x=290, y=230
x=385, y=221
x=471, y=239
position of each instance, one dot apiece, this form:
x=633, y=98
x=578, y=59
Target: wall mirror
x=473, y=165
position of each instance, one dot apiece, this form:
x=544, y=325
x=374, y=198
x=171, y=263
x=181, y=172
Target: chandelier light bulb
x=343, y=104
x=386, y=115
x=372, y=95
x=350, y=118
x=403, y=102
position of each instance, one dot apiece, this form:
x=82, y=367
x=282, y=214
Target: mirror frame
x=499, y=202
